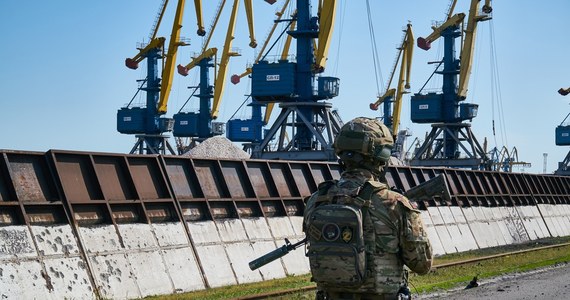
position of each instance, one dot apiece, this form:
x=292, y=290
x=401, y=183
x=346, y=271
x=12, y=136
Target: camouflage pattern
x=396, y=236
x=364, y=143
x=363, y=135
x=336, y=248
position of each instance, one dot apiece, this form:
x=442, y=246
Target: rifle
x=433, y=188
x=428, y=190
x=275, y=254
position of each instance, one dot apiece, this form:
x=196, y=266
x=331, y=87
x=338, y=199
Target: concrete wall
x=42, y=262
x=130, y=261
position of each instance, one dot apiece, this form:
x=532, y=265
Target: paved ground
x=549, y=283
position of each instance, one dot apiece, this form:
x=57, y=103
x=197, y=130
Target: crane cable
x=496, y=99
x=339, y=30
x=375, y=56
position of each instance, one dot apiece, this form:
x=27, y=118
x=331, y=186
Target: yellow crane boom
x=168, y=70
x=235, y=79
x=249, y=15
x=133, y=63
x=469, y=45
x=198, y=7
x=184, y=70
x=405, y=53
x=326, y=26
x=425, y=43
x=219, y=84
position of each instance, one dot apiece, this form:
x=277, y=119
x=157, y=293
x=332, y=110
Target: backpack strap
x=322, y=191
x=367, y=191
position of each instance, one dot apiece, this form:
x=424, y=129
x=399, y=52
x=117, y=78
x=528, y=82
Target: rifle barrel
x=269, y=257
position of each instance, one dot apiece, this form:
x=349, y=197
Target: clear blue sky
x=62, y=77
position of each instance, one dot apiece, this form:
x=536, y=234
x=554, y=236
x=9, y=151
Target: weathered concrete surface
x=111, y=269
x=212, y=253
x=130, y=261
x=42, y=262
x=533, y=222
x=457, y=226
x=262, y=242
x=139, y=260
x=114, y=276
x=23, y=279
x=16, y=242
x=238, y=247
x=554, y=217
x=437, y=246
x=295, y=262
x=515, y=224
x=144, y=255
x=458, y=229
x=178, y=256
x=441, y=230
x=69, y=278
x=54, y=240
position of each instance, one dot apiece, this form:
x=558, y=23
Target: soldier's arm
x=414, y=243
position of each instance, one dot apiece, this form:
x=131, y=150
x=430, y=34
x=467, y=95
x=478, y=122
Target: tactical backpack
x=339, y=230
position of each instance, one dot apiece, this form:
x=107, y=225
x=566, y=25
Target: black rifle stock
x=433, y=188
x=275, y=254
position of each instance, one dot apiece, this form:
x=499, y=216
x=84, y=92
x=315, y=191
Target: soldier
x=347, y=264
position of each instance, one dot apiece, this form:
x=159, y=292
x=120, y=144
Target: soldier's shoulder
x=325, y=186
x=394, y=198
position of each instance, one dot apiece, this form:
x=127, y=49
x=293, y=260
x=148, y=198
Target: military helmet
x=367, y=137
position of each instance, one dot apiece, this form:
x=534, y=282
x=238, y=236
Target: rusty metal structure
x=85, y=189
x=109, y=217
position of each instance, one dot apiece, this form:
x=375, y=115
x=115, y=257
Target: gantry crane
x=562, y=133
x=504, y=160
x=446, y=113
x=199, y=126
x=308, y=122
x=250, y=131
x=148, y=122
x=392, y=98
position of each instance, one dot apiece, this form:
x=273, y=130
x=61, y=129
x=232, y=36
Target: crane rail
x=307, y=289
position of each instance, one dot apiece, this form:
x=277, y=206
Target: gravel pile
x=217, y=147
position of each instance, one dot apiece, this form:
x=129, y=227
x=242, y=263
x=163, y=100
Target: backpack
x=338, y=230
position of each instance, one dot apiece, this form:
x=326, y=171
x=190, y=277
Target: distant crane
x=148, y=122
x=200, y=126
x=504, y=160
x=444, y=110
x=562, y=133
x=392, y=98
x=250, y=131
x=308, y=122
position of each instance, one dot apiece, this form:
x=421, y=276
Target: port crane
x=250, y=131
x=392, y=97
x=200, y=126
x=504, y=160
x=148, y=122
x=562, y=138
x=445, y=111
x=306, y=126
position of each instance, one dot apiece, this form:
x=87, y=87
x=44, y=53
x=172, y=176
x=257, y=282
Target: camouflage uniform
x=399, y=235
